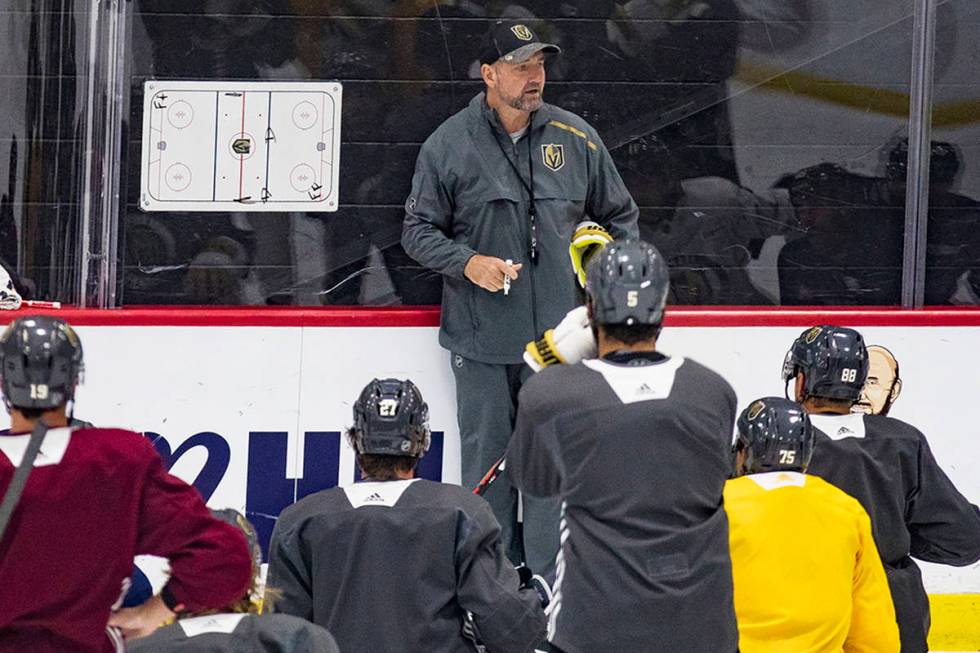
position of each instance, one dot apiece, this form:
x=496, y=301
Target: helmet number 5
x=848, y=375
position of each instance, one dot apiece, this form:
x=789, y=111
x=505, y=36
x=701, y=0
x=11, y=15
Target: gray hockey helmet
x=40, y=362
x=627, y=283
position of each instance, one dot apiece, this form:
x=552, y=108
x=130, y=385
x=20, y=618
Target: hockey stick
x=19, y=481
x=491, y=475
x=495, y=470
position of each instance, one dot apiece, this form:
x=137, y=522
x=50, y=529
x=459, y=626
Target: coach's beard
x=526, y=101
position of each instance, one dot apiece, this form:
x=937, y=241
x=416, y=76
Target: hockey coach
x=498, y=191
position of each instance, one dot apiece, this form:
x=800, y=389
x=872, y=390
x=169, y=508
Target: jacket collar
x=482, y=113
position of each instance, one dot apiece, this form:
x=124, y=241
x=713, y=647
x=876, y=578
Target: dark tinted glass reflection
x=42, y=89
x=753, y=135
x=953, y=226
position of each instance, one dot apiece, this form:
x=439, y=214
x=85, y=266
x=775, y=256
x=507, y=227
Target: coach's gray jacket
x=468, y=199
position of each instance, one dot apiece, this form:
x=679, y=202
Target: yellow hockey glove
x=589, y=239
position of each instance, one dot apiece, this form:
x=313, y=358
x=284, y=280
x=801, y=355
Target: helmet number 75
x=787, y=456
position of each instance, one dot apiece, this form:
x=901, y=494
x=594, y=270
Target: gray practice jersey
x=237, y=633
x=638, y=447
x=394, y=566
x=915, y=510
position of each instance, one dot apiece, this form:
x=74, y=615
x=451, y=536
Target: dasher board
x=240, y=146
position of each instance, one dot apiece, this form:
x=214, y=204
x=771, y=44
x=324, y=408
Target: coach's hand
x=488, y=271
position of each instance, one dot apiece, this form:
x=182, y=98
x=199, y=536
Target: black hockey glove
x=530, y=580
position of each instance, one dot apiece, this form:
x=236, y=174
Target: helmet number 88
x=848, y=375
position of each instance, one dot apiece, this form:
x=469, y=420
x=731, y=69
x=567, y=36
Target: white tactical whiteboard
x=240, y=146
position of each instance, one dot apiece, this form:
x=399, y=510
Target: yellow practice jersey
x=807, y=574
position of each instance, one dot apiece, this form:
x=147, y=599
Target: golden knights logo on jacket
x=553, y=155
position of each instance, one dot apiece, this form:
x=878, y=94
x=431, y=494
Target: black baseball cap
x=513, y=42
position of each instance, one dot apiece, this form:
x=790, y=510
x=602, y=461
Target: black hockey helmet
x=391, y=419
x=823, y=185
x=776, y=435
x=40, y=362
x=944, y=162
x=834, y=362
x=627, y=283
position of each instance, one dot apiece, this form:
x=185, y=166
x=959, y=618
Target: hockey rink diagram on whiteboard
x=240, y=146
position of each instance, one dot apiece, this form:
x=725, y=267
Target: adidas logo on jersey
x=644, y=389
x=843, y=432
x=375, y=497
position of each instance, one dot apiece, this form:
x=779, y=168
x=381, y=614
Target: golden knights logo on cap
x=755, y=409
x=522, y=32
x=553, y=155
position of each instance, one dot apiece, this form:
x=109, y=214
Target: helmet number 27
x=387, y=408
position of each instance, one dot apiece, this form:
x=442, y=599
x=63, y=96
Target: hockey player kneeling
x=808, y=578
x=238, y=627
x=396, y=563
x=637, y=444
x=887, y=465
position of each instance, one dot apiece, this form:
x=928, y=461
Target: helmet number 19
x=848, y=375
x=787, y=456
x=39, y=391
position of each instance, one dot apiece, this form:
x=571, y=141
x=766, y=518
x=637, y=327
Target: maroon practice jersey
x=96, y=498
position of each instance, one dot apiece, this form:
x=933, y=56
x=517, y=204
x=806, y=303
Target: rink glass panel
x=710, y=108
x=42, y=104
x=953, y=224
